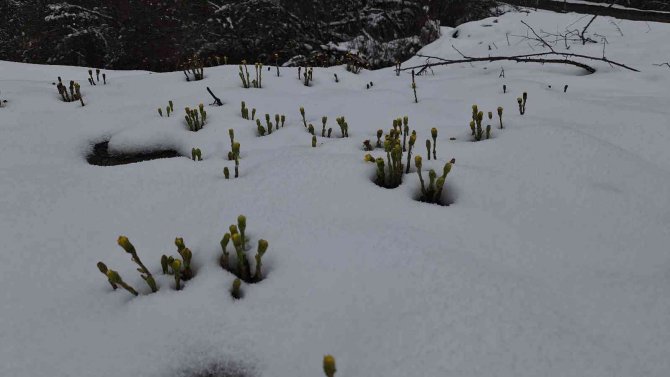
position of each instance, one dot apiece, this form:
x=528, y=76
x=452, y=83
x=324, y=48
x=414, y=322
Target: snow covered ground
x=552, y=261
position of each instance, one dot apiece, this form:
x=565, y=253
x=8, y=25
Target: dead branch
x=550, y=57
x=662, y=64
x=581, y=35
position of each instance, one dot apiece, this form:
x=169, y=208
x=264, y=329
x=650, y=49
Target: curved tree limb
x=552, y=56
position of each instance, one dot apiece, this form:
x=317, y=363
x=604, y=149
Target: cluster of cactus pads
x=389, y=173
x=233, y=155
x=196, y=119
x=306, y=75
x=478, y=131
x=280, y=120
x=181, y=269
x=390, y=170
x=244, y=110
x=97, y=77
x=247, y=82
x=168, y=109
x=194, y=69
x=196, y=154
x=522, y=101
x=73, y=95
x=238, y=264
x=433, y=192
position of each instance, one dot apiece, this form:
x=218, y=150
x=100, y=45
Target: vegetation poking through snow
x=238, y=264
x=476, y=124
x=196, y=154
x=500, y=114
x=306, y=75
x=96, y=80
x=522, y=103
x=329, y=366
x=196, y=119
x=169, y=109
x=73, y=95
x=390, y=171
x=194, y=69
x=432, y=193
x=344, y=126
x=244, y=75
x=114, y=278
x=236, y=290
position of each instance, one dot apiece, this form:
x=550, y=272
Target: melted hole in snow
x=100, y=156
x=386, y=184
x=447, y=198
x=232, y=267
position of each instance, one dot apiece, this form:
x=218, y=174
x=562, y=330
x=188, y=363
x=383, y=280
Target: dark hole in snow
x=386, y=184
x=447, y=198
x=100, y=156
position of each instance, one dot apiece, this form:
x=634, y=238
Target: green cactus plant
x=186, y=256
x=329, y=366
x=176, y=269
x=260, y=128
x=144, y=272
x=389, y=173
x=246, y=84
x=225, y=257
x=268, y=123
x=262, y=248
x=236, y=154
x=302, y=113
x=412, y=141
x=522, y=103
x=433, y=193
x=324, y=120
x=231, y=134
x=344, y=126
x=405, y=132
x=196, y=119
x=168, y=109
x=103, y=269
x=236, y=290
x=500, y=114
x=196, y=154
x=115, y=279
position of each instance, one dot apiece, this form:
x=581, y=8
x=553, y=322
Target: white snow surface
x=552, y=261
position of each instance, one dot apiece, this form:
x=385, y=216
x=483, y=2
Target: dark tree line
x=160, y=34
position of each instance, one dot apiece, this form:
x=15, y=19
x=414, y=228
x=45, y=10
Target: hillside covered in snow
x=550, y=259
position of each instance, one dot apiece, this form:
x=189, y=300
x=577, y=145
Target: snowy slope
x=552, y=261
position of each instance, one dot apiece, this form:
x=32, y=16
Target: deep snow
x=553, y=260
